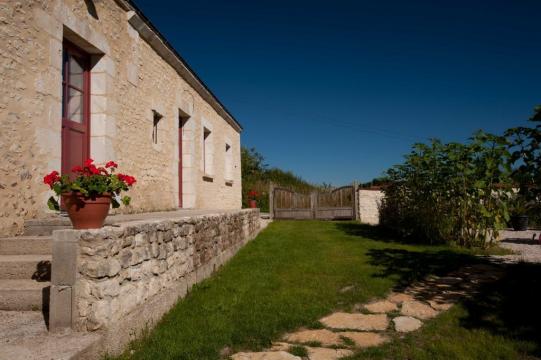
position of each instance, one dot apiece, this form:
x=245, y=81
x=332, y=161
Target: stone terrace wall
x=369, y=201
x=119, y=280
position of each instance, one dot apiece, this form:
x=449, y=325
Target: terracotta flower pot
x=253, y=204
x=86, y=213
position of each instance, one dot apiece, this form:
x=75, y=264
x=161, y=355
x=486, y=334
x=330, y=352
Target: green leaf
x=53, y=204
x=114, y=203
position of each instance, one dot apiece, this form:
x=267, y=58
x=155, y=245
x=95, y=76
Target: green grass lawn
x=292, y=274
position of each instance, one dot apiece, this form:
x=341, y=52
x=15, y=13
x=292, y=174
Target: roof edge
x=157, y=41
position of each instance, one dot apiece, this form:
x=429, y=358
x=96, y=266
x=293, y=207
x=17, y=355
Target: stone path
x=525, y=245
x=379, y=321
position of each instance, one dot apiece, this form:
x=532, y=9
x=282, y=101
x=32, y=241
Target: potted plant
x=252, y=199
x=519, y=213
x=89, y=192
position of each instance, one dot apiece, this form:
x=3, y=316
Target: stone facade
x=369, y=201
x=133, y=74
x=121, y=279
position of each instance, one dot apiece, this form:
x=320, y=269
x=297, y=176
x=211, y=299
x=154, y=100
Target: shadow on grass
x=510, y=306
x=411, y=266
x=379, y=233
x=406, y=265
x=367, y=231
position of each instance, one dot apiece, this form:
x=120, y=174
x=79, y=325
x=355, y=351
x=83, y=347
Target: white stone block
x=83, y=30
x=47, y=23
x=103, y=125
x=188, y=200
x=131, y=31
x=187, y=160
x=104, y=64
x=101, y=149
x=98, y=104
x=101, y=83
x=55, y=54
x=49, y=142
x=132, y=73
x=53, y=118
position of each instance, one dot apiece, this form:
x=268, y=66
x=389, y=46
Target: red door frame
x=180, y=127
x=70, y=50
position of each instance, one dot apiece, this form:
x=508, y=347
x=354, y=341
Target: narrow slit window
x=207, y=151
x=228, y=163
x=156, y=117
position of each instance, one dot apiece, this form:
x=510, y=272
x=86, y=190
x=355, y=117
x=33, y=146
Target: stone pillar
x=271, y=200
x=63, y=278
x=357, y=214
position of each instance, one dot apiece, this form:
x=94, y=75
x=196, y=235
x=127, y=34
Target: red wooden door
x=75, y=107
x=180, y=124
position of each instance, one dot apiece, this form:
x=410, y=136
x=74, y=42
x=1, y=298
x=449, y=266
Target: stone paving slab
x=418, y=310
x=399, y=298
x=364, y=339
x=280, y=346
x=318, y=353
x=381, y=307
x=265, y=355
x=350, y=321
x=406, y=324
x=323, y=336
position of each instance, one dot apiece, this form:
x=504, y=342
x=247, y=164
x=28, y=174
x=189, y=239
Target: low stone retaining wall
x=121, y=279
x=369, y=201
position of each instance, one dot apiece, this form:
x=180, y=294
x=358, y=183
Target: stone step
x=26, y=245
x=21, y=295
x=45, y=227
x=25, y=267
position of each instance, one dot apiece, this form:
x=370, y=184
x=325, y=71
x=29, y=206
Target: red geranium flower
x=93, y=169
x=90, y=180
x=129, y=180
x=51, y=178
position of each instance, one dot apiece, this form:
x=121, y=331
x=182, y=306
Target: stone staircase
x=25, y=274
x=25, y=271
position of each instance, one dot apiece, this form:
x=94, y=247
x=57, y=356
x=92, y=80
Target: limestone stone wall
x=369, y=201
x=129, y=79
x=121, y=279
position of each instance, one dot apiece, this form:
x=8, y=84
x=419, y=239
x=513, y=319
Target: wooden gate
x=336, y=204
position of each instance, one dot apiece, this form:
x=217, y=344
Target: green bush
x=450, y=193
x=465, y=193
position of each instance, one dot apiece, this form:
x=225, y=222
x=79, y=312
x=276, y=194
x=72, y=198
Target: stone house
x=94, y=78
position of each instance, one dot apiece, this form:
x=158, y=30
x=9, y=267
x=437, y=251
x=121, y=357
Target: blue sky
x=337, y=91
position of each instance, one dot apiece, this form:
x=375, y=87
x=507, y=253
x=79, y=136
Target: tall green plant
x=452, y=193
x=525, y=143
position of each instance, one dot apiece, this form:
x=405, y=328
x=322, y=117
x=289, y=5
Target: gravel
x=525, y=245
